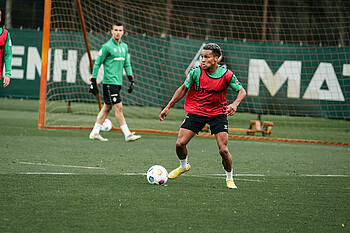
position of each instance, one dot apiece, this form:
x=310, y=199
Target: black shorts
x=196, y=123
x=111, y=94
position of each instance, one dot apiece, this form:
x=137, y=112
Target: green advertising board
x=26, y=65
x=286, y=79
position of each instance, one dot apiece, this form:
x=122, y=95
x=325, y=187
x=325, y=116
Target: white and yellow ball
x=157, y=175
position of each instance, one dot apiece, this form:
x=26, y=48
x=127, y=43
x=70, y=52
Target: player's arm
x=102, y=54
x=7, y=60
x=241, y=93
x=180, y=92
x=232, y=108
x=178, y=95
x=127, y=63
x=128, y=70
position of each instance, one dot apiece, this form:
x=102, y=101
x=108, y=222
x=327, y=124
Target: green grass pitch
x=59, y=181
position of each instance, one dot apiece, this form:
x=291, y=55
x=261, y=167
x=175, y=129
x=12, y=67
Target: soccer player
x=114, y=57
x=207, y=87
x=5, y=54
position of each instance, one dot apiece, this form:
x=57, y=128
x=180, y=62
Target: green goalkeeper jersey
x=114, y=58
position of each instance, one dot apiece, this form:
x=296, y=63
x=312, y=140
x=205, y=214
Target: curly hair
x=213, y=47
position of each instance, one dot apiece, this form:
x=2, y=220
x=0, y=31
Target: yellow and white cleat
x=230, y=184
x=177, y=172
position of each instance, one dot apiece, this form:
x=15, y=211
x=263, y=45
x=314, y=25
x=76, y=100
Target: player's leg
x=183, y=139
x=102, y=115
x=129, y=136
x=111, y=94
x=184, y=136
x=119, y=116
x=219, y=127
x=189, y=128
x=222, y=140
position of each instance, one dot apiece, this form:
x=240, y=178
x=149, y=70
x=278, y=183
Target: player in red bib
x=206, y=88
x=5, y=55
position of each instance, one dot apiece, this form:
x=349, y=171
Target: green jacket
x=7, y=54
x=114, y=58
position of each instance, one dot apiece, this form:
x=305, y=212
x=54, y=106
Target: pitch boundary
x=251, y=138
x=58, y=165
x=143, y=173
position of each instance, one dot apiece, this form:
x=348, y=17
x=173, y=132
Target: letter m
x=259, y=69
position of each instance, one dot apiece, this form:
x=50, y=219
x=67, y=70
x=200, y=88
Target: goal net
x=292, y=57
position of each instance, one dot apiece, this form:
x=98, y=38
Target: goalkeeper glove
x=93, y=87
x=131, y=83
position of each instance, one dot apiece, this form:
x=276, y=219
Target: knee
x=180, y=144
x=106, y=108
x=224, y=151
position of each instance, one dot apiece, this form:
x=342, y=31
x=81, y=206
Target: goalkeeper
x=207, y=87
x=114, y=57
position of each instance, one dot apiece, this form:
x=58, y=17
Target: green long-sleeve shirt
x=7, y=54
x=114, y=58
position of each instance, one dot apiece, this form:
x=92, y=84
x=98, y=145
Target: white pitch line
x=218, y=176
x=215, y=176
x=249, y=180
x=58, y=165
x=133, y=174
x=325, y=175
x=259, y=175
x=47, y=173
x=206, y=175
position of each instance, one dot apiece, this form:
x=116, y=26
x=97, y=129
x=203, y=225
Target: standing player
x=114, y=57
x=206, y=103
x=5, y=54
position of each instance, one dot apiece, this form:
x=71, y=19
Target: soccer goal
x=292, y=57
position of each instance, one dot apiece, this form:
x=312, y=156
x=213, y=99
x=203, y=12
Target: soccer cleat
x=132, y=137
x=230, y=184
x=97, y=136
x=177, y=172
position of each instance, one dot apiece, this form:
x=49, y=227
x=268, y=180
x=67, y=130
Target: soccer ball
x=157, y=175
x=107, y=125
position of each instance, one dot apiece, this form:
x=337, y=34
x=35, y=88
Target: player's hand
x=131, y=86
x=131, y=83
x=231, y=109
x=6, y=81
x=93, y=87
x=164, y=113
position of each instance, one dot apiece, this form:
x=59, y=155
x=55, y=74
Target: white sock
x=96, y=129
x=125, y=130
x=184, y=163
x=229, y=175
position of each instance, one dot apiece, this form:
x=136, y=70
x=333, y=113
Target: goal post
x=44, y=64
x=292, y=57
x=45, y=59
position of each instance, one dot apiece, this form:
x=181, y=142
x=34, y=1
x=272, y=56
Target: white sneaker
x=132, y=137
x=97, y=136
